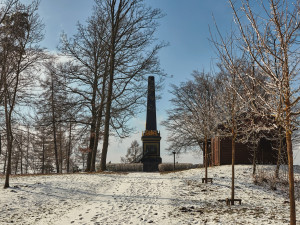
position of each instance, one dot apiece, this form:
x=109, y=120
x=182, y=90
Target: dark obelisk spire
x=151, y=137
x=151, y=109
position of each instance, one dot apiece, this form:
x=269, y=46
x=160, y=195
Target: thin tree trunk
x=5, y=160
x=55, y=145
x=60, y=149
x=9, y=141
x=33, y=166
x=0, y=145
x=69, y=148
x=8, y=116
x=205, y=149
x=290, y=160
x=232, y=170
x=27, y=151
x=291, y=178
x=54, y=124
x=17, y=162
x=21, y=149
x=289, y=130
x=83, y=160
x=278, y=156
x=43, y=158
x=254, y=159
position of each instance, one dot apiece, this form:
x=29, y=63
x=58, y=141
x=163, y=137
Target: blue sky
x=185, y=27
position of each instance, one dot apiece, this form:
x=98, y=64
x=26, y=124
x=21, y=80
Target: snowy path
x=130, y=199
x=142, y=198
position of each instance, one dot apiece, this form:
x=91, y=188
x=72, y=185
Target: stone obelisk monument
x=151, y=137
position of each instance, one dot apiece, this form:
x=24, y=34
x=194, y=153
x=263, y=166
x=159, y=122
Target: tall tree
x=281, y=21
x=132, y=56
x=230, y=114
x=21, y=29
x=110, y=58
x=193, y=118
x=53, y=107
x=5, y=11
x=271, y=41
x=86, y=73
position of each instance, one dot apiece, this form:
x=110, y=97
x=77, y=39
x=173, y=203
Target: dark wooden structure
x=220, y=152
x=151, y=137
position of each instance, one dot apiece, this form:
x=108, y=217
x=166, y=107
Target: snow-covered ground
x=142, y=198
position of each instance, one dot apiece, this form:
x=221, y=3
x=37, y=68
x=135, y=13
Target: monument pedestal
x=151, y=151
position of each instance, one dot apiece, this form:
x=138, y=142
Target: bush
x=125, y=167
x=138, y=167
x=164, y=167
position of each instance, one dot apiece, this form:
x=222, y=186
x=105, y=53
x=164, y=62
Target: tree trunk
x=83, y=160
x=106, y=126
x=254, y=159
x=91, y=145
x=54, y=124
x=205, y=149
x=43, y=158
x=69, y=148
x=27, y=151
x=232, y=169
x=98, y=125
x=278, y=156
x=291, y=178
x=93, y=124
x=92, y=137
x=5, y=160
x=55, y=143
x=21, y=149
x=0, y=145
x=95, y=147
x=289, y=131
x=9, y=141
x=290, y=161
x=60, y=149
x=114, y=27
x=16, y=163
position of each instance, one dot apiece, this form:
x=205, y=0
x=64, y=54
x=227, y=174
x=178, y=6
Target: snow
x=143, y=198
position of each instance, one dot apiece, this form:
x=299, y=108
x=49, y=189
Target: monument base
x=151, y=164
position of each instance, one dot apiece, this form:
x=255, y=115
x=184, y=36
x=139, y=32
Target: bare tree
x=132, y=56
x=86, y=72
x=230, y=114
x=271, y=41
x=5, y=12
x=110, y=58
x=134, y=152
x=54, y=109
x=20, y=31
x=193, y=118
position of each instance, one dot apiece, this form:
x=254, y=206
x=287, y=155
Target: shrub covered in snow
x=125, y=167
x=265, y=177
x=138, y=167
x=178, y=166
